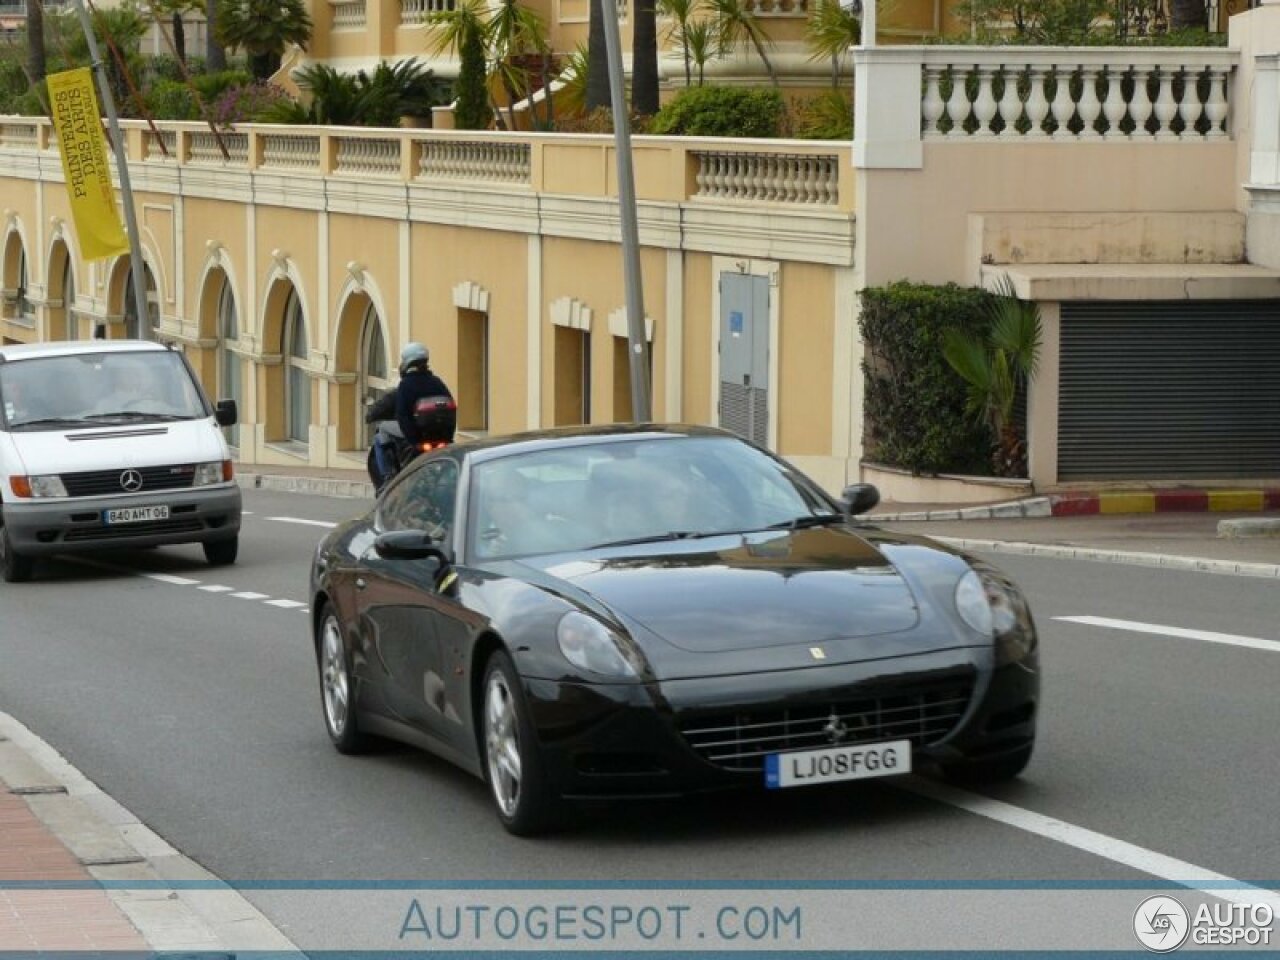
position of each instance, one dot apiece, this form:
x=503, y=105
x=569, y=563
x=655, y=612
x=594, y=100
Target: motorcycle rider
x=396, y=405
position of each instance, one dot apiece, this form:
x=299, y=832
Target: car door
x=402, y=609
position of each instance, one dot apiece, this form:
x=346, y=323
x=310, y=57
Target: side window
x=425, y=501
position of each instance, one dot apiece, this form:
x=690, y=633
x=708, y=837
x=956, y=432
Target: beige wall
x=806, y=332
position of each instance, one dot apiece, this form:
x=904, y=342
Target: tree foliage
x=263, y=29
x=721, y=112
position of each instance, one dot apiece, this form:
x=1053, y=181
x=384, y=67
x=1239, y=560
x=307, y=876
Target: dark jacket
x=414, y=386
x=384, y=408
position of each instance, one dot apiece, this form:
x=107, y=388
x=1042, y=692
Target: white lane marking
x=249, y=595
x=217, y=588
x=286, y=604
x=170, y=578
x=310, y=523
x=1134, y=626
x=1099, y=844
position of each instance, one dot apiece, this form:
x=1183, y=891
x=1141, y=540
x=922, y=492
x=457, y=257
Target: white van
x=110, y=443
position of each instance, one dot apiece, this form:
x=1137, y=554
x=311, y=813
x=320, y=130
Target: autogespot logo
x=1161, y=924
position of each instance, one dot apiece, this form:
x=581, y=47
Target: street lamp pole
x=122, y=167
x=637, y=345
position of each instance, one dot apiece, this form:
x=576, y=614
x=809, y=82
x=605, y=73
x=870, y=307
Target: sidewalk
x=79, y=872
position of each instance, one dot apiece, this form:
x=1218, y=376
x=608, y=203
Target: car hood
x=749, y=591
x=118, y=446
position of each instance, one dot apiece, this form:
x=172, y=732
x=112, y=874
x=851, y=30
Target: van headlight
x=207, y=473
x=591, y=646
x=48, y=485
x=989, y=602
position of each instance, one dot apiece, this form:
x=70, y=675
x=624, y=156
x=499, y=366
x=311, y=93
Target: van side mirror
x=224, y=411
x=859, y=498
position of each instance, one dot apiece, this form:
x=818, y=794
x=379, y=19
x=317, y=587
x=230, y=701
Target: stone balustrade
x=504, y=161
x=768, y=177
x=1086, y=93
x=366, y=156
x=777, y=8
x=416, y=11
x=793, y=173
x=349, y=14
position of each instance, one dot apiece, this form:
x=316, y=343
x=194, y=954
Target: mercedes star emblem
x=131, y=481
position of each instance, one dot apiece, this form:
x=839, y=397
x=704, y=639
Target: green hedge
x=721, y=112
x=914, y=415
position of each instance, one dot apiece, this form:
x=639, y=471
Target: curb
x=1112, y=503
x=322, y=486
x=135, y=865
x=1249, y=527
x=1164, y=561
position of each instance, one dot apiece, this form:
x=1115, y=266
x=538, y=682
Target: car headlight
x=49, y=485
x=994, y=607
x=207, y=473
x=591, y=646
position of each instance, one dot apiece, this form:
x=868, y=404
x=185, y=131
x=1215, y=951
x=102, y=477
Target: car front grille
x=100, y=483
x=740, y=740
x=127, y=531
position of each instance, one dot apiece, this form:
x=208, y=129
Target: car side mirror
x=225, y=413
x=408, y=545
x=859, y=498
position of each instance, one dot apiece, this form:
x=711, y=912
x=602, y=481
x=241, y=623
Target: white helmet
x=412, y=353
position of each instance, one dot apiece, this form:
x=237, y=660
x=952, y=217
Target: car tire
x=337, y=685
x=14, y=566
x=989, y=769
x=221, y=553
x=509, y=754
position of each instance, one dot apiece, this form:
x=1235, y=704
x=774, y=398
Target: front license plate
x=135, y=514
x=833, y=764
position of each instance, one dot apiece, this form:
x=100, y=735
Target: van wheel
x=14, y=567
x=221, y=553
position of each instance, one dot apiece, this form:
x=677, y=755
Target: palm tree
x=699, y=38
x=597, y=59
x=263, y=28
x=996, y=366
x=176, y=10
x=831, y=31
x=514, y=32
x=736, y=24
x=215, y=57
x=463, y=32
x=1188, y=15
x=644, y=58
x=36, y=61
x=680, y=12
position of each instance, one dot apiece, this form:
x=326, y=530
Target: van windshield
x=93, y=389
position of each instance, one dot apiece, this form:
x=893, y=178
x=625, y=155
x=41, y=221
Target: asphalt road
x=192, y=699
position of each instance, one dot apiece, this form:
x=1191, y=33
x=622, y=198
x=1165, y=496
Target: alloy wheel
x=502, y=746
x=333, y=677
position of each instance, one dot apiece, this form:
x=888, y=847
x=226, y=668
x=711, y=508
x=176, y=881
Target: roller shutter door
x=1169, y=389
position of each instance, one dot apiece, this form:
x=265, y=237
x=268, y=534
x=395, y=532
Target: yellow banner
x=84, y=162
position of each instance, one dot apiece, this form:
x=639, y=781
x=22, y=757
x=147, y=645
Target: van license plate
x=135, y=514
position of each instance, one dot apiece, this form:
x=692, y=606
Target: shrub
x=828, y=116
x=721, y=112
x=213, y=85
x=915, y=404
x=248, y=103
x=31, y=103
x=172, y=100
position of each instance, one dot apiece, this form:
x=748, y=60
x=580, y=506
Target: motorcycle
x=437, y=421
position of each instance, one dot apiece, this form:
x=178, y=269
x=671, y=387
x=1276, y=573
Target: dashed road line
x=177, y=581
x=250, y=595
x=216, y=588
x=1209, y=636
x=170, y=578
x=286, y=604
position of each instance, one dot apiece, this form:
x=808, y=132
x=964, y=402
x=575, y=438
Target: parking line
x=1099, y=844
x=1134, y=626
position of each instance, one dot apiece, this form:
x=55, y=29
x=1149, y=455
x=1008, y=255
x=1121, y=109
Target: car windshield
x=597, y=495
x=93, y=389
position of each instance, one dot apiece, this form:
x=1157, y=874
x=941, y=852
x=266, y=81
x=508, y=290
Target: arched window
x=228, y=359
x=26, y=310
x=132, y=328
x=71, y=325
x=373, y=368
x=298, y=388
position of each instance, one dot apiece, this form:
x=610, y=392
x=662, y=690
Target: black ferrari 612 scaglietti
x=656, y=610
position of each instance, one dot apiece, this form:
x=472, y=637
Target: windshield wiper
x=652, y=538
x=53, y=422
x=134, y=415
x=812, y=520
